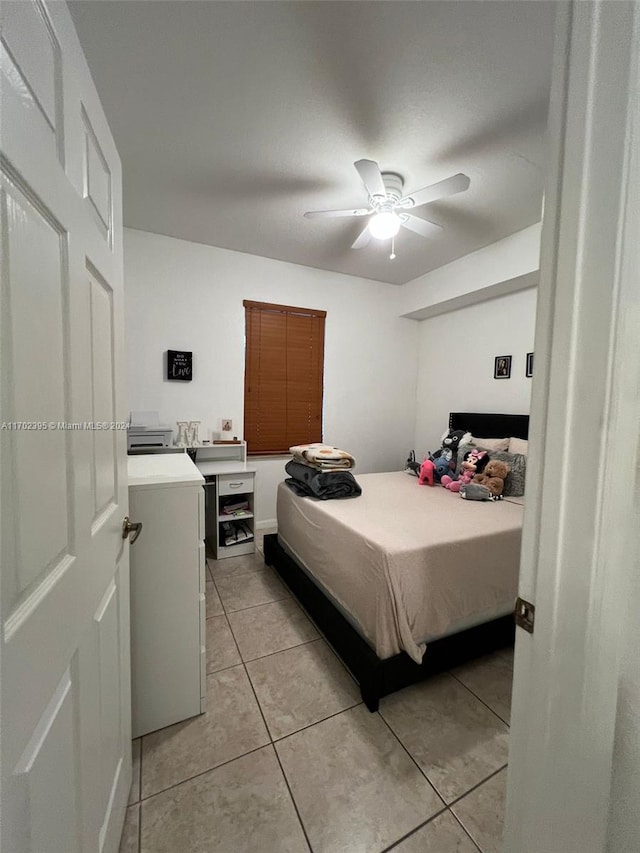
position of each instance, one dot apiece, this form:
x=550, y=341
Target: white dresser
x=168, y=657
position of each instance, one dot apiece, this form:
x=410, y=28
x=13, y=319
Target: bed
x=403, y=568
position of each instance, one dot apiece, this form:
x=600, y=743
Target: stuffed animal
x=493, y=476
x=474, y=462
x=431, y=472
x=446, y=457
x=477, y=492
x=411, y=466
x=427, y=471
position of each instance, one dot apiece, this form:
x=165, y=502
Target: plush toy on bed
x=411, y=466
x=477, y=492
x=426, y=473
x=446, y=457
x=474, y=462
x=493, y=476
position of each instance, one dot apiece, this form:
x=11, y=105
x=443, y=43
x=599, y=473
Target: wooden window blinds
x=283, y=376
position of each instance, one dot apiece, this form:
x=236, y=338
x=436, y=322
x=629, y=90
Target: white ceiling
x=234, y=118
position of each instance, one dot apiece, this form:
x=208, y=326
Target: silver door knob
x=131, y=527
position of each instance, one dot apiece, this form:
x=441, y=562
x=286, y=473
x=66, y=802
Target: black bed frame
x=376, y=677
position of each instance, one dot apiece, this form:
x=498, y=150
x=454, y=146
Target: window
x=283, y=376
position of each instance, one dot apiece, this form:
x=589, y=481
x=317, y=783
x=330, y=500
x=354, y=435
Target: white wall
x=456, y=359
x=182, y=295
x=510, y=258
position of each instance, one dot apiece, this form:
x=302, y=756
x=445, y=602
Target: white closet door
x=65, y=751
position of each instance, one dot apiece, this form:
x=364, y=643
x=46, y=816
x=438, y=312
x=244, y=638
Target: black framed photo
x=502, y=367
x=179, y=365
x=529, y=368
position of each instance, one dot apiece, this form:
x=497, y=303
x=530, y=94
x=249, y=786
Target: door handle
x=131, y=527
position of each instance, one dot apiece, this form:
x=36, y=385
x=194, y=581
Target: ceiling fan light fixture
x=384, y=225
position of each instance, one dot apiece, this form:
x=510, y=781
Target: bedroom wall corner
x=183, y=295
x=456, y=361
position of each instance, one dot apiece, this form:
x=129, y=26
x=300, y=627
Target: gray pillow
x=514, y=484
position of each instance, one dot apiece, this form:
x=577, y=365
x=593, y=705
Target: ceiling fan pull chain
x=392, y=256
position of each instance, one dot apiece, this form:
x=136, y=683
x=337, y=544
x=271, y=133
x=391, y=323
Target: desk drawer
x=235, y=484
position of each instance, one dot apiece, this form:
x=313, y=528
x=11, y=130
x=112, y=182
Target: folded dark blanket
x=325, y=485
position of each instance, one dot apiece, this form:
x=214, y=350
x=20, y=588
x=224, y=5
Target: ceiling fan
x=388, y=204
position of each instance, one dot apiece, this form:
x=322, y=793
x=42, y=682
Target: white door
x=575, y=701
x=65, y=751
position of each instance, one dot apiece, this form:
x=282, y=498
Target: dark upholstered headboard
x=490, y=425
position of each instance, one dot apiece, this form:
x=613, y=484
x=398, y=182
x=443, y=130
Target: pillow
x=518, y=445
x=491, y=443
x=515, y=482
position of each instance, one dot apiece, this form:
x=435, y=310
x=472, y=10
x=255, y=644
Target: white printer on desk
x=145, y=434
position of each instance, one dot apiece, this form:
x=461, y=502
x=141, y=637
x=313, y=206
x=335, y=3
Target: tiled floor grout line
x=271, y=654
x=253, y=606
x=337, y=656
x=204, y=772
x=414, y=830
x=465, y=830
x=293, y=801
x=275, y=751
x=495, y=713
x=317, y=722
x=412, y=758
x=235, y=642
x=447, y=807
x=224, y=668
x=477, y=785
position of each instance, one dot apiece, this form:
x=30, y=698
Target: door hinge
x=525, y=614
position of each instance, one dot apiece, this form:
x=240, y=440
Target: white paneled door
x=65, y=691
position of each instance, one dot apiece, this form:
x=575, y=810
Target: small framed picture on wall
x=502, y=367
x=529, y=367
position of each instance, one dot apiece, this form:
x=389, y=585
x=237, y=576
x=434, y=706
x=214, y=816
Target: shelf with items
x=234, y=533
x=229, y=488
x=235, y=515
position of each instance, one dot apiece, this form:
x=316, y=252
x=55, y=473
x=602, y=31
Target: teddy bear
x=493, y=476
x=474, y=462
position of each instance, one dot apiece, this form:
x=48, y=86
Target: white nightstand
x=229, y=481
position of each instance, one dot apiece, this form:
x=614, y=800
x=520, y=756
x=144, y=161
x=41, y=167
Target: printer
x=145, y=434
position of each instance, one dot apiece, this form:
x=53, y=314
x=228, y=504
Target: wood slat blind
x=283, y=376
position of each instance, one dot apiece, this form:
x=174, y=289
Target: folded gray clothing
x=325, y=485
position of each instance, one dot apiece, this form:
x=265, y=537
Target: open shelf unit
x=229, y=481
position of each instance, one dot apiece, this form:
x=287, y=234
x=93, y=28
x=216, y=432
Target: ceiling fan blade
x=455, y=184
x=420, y=226
x=330, y=214
x=371, y=176
x=363, y=239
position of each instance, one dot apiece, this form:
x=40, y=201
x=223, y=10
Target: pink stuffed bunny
x=426, y=473
x=474, y=462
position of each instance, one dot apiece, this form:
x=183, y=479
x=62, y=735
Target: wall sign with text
x=179, y=365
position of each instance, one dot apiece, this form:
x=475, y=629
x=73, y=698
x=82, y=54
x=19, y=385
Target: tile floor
x=288, y=759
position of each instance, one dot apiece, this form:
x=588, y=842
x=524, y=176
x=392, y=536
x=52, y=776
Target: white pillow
x=518, y=445
x=491, y=443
